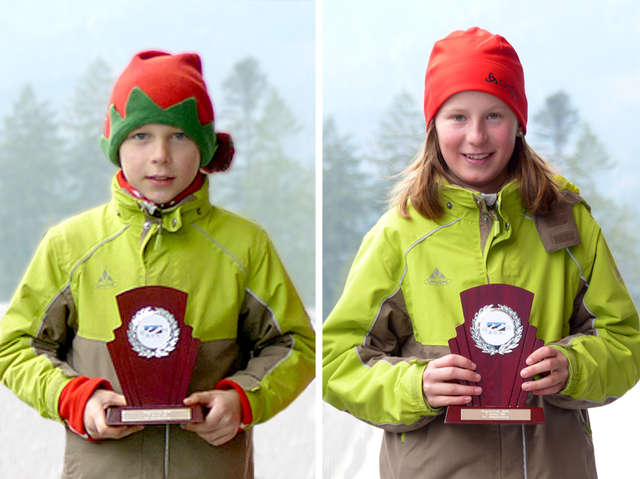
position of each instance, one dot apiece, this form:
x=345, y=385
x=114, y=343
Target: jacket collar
x=136, y=211
x=464, y=202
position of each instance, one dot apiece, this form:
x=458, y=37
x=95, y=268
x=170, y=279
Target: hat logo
x=510, y=88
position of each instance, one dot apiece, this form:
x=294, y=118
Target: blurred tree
x=88, y=172
x=30, y=185
x=245, y=90
x=557, y=122
x=398, y=137
x=347, y=211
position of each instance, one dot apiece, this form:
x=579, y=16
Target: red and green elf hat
x=158, y=87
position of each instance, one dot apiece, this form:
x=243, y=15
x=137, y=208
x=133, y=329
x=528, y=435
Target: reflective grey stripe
x=166, y=451
x=524, y=453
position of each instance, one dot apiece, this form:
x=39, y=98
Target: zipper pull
x=158, y=241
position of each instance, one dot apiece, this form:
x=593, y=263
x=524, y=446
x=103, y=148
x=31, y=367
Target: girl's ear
x=520, y=131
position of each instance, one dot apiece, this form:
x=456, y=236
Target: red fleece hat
x=158, y=87
x=474, y=60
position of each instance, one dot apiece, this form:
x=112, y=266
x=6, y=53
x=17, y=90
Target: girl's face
x=160, y=161
x=477, y=135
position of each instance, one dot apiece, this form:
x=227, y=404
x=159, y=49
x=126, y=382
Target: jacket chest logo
x=105, y=281
x=437, y=279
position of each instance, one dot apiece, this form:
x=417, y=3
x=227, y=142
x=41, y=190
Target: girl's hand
x=552, y=365
x=439, y=381
x=223, y=420
x=95, y=417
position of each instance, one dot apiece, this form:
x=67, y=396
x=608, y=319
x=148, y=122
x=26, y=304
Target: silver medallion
x=153, y=332
x=496, y=330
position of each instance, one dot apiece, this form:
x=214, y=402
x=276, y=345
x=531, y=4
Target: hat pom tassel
x=223, y=155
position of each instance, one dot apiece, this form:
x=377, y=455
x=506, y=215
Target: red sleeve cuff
x=74, y=398
x=247, y=415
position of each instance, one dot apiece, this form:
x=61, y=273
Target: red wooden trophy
x=498, y=338
x=154, y=355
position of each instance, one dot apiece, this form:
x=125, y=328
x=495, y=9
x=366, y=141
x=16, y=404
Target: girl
x=478, y=206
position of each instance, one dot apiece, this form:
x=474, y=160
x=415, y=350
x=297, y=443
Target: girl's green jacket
x=401, y=305
x=242, y=306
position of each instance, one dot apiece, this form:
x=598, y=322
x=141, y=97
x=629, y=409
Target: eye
x=458, y=118
x=139, y=135
x=180, y=135
x=493, y=116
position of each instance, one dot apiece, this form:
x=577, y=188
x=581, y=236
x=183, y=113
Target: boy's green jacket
x=242, y=307
x=401, y=305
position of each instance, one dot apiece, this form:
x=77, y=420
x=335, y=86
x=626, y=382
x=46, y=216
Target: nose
x=161, y=152
x=476, y=132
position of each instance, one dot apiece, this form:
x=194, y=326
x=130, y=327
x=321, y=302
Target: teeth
x=477, y=157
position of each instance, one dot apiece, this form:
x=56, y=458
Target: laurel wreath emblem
x=504, y=348
x=164, y=349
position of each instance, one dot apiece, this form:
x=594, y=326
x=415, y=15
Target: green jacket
x=242, y=306
x=401, y=305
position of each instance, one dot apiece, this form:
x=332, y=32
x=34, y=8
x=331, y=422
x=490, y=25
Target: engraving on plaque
x=155, y=415
x=496, y=330
x=153, y=332
x=495, y=415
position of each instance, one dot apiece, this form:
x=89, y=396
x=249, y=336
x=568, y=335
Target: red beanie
x=474, y=60
x=158, y=87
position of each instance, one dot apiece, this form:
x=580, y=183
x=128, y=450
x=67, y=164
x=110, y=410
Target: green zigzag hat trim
x=141, y=110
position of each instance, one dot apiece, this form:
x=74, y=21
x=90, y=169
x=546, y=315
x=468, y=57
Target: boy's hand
x=552, y=365
x=440, y=381
x=95, y=416
x=223, y=420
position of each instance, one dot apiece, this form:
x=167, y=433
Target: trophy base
x=129, y=416
x=494, y=415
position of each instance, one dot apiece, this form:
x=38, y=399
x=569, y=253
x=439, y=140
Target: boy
x=257, y=344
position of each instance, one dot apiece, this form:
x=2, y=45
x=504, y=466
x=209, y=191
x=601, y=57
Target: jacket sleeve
x=35, y=336
x=366, y=368
x=277, y=334
x=603, y=347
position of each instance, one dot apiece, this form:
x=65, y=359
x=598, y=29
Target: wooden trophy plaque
x=154, y=354
x=498, y=338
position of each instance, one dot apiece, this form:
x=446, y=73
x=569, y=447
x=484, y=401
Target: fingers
x=440, y=381
x=551, y=366
x=95, y=417
x=224, y=417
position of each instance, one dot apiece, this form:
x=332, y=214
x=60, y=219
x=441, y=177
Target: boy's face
x=159, y=161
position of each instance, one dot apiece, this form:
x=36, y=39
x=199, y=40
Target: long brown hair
x=421, y=182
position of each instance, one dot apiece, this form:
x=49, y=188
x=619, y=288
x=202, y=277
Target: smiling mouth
x=478, y=157
x=160, y=178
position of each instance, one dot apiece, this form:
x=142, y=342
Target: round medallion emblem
x=496, y=330
x=153, y=332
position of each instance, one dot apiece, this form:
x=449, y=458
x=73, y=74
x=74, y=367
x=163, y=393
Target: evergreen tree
x=87, y=171
x=347, y=211
x=557, y=122
x=30, y=186
x=398, y=137
x=245, y=91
